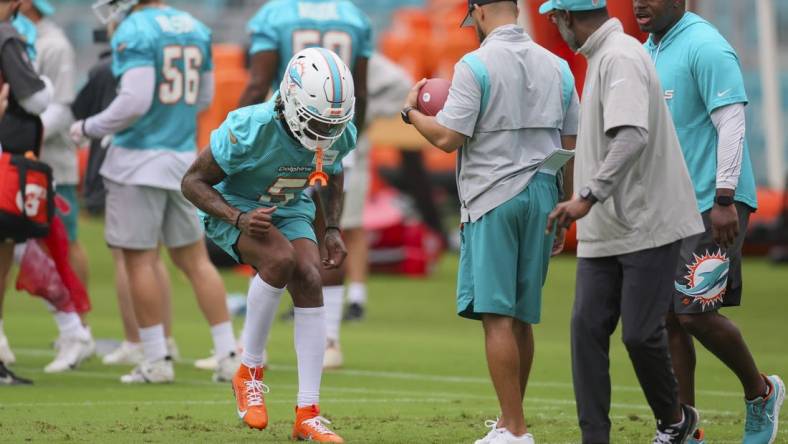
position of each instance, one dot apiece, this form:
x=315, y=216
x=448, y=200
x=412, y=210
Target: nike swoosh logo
x=617, y=82
x=724, y=93
x=241, y=413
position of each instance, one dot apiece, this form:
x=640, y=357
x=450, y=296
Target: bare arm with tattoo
x=197, y=187
x=335, y=247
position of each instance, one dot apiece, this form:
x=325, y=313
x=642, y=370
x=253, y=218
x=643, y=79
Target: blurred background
x=423, y=37
x=413, y=371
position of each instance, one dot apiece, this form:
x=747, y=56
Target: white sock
x=332, y=300
x=357, y=293
x=310, y=346
x=261, y=304
x=223, y=339
x=70, y=325
x=154, y=345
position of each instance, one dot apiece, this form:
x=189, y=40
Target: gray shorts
x=356, y=189
x=709, y=277
x=141, y=217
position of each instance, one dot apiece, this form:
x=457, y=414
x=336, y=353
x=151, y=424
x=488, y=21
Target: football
x=433, y=95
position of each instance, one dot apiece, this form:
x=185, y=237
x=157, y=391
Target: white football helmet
x=318, y=96
x=112, y=10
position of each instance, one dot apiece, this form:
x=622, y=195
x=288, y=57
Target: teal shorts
x=294, y=221
x=70, y=219
x=504, y=256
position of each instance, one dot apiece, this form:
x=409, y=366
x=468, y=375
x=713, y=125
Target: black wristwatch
x=586, y=194
x=405, y=112
x=724, y=201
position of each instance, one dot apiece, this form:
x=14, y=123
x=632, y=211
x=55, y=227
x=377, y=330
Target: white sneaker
x=71, y=352
x=226, y=368
x=6, y=355
x=504, y=436
x=90, y=350
x=332, y=359
x=493, y=426
x=172, y=350
x=159, y=372
x=208, y=363
x=128, y=353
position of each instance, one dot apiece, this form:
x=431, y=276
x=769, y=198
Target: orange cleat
x=249, y=389
x=310, y=426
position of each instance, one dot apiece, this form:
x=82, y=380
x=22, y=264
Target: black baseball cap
x=468, y=21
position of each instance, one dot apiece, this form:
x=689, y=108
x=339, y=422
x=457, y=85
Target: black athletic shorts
x=709, y=277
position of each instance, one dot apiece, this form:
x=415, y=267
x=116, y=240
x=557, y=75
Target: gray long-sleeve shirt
x=57, y=61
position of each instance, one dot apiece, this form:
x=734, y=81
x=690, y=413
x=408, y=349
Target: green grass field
x=415, y=372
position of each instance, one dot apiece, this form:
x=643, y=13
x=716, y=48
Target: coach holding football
x=502, y=138
x=636, y=203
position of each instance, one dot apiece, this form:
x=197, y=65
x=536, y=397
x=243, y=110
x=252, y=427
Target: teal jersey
x=288, y=26
x=700, y=72
x=178, y=47
x=29, y=33
x=265, y=166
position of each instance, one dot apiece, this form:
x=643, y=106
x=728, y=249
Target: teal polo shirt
x=700, y=72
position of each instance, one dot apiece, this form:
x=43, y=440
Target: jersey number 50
x=181, y=84
x=338, y=41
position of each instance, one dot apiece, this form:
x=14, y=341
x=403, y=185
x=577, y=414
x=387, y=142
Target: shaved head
x=492, y=15
x=501, y=8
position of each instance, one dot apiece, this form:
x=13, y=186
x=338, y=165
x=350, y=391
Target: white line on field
x=426, y=377
x=435, y=400
x=443, y=397
x=214, y=402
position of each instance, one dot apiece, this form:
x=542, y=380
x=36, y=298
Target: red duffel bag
x=27, y=203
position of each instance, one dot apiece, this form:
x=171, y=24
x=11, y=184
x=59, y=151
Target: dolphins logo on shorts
x=707, y=279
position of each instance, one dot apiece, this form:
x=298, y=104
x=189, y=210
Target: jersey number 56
x=181, y=83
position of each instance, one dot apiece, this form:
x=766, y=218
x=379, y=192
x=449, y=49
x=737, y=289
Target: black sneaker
x=678, y=435
x=354, y=312
x=7, y=377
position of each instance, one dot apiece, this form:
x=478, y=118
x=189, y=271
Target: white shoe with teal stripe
x=763, y=414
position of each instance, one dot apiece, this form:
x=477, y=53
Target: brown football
x=433, y=95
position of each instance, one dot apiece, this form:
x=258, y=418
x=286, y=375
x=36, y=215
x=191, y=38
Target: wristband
x=84, y=129
x=238, y=219
x=333, y=227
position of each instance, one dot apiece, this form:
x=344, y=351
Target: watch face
x=724, y=200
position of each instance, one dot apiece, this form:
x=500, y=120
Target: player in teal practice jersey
x=249, y=186
x=280, y=29
x=162, y=57
x=704, y=89
x=179, y=47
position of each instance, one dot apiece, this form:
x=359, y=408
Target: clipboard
x=555, y=161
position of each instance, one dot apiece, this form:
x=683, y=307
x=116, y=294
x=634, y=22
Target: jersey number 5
x=181, y=84
x=284, y=189
x=338, y=41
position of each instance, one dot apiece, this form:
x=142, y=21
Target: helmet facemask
x=312, y=130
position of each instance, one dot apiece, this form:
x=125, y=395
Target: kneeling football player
x=249, y=186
